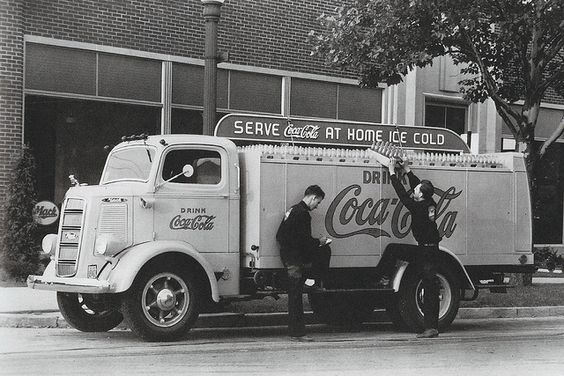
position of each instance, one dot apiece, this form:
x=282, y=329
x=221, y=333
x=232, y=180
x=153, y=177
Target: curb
x=54, y=319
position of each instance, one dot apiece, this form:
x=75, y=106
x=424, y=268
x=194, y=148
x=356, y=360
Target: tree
x=510, y=49
x=21, y=251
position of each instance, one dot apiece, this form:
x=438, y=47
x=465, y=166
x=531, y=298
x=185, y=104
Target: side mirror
x=187, y=170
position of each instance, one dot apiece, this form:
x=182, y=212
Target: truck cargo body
x=483, y=213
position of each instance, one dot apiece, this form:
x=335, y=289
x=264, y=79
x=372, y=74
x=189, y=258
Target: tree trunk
x=531, y=158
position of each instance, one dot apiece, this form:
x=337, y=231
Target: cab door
x=192, y=197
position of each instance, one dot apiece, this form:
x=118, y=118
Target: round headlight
x=101, y=245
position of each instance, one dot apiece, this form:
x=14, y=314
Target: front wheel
x=162, y=303
x=87, y=314
x=406, y=308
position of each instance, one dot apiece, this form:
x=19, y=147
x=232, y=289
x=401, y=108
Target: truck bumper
x=79, y=285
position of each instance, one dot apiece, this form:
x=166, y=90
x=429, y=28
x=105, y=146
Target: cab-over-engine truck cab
x=178, y=221
x=156, y=240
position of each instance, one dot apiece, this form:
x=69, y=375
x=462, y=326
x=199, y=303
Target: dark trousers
x=426, y=259
x=297, y=274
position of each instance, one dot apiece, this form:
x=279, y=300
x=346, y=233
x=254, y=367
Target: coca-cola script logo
x=369, y=215
x=308, y=131
x=196, y=223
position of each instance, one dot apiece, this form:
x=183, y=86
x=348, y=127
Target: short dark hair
x=427, y=189
x=314, y=190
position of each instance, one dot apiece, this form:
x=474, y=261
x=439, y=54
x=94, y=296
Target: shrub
x=548, y=258
x=21, y=244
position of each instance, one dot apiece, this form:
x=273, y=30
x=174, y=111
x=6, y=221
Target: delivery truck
x=179, y=222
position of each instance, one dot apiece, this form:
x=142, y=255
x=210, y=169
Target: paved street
x=471, y=347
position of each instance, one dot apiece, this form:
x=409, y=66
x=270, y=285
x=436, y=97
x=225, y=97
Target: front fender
x=124, y=271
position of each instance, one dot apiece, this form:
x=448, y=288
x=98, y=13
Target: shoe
x=314, y=287
x=301, y=339
x=429, y=333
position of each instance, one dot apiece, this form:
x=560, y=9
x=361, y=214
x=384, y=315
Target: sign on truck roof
x=332, y=132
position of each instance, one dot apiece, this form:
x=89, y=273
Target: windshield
x=132, y=163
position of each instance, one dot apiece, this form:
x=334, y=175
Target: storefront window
x=68, y=137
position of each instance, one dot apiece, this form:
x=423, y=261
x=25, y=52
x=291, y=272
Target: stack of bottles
x=308, y=153
x=386, y=149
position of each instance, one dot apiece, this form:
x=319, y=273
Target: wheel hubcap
x=165, y=299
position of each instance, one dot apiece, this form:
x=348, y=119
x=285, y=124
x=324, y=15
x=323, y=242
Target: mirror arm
x=166, y=181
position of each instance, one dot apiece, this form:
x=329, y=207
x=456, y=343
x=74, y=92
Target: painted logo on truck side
x=194, y=219
x=199, y=222
x=369, y=216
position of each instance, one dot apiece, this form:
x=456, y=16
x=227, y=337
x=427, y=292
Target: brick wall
x=265, y=33
x=11, y=84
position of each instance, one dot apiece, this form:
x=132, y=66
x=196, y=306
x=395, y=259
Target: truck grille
x=70, y=236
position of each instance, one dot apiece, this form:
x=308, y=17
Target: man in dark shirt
x=424, y=228
x=300, y=251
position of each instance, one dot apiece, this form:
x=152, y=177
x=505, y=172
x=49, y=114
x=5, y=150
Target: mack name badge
x=45, y=213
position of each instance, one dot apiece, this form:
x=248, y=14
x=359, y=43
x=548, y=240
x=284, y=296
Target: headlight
x=101, y=245
x=107, y=245
x=49, y=243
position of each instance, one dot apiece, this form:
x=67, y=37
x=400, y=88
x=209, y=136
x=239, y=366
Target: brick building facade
x=78, y=73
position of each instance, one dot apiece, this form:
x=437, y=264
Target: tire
x=162, y=304
x=86, y=314
x=405, y=308
x=345, y=309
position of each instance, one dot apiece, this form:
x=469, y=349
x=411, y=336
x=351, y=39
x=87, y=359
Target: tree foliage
x=21, y=250
x=510, y=49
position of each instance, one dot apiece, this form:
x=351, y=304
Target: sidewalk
x=22, y=307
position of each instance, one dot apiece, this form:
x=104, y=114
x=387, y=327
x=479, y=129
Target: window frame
x=447, y=104
x=176, y=186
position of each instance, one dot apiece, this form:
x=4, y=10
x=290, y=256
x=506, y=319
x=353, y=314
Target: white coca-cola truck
x=181, y=221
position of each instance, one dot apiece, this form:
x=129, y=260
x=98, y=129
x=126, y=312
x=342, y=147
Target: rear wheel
x=87, y=314
x=406, y=308
x=162, y=304
x=342, y=309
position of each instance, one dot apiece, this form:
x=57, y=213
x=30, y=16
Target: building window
x=313, y=98
x=255, y=92
x=188, y=85
x=75, y=71
x=59, y=69
x=448, y=116
x=360, y=104
x=129, y=77
x=335, y=101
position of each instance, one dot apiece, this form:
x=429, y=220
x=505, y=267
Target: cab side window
x=206, y=165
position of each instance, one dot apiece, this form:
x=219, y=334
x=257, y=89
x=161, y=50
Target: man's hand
x=405, y=166
x=392, y=166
